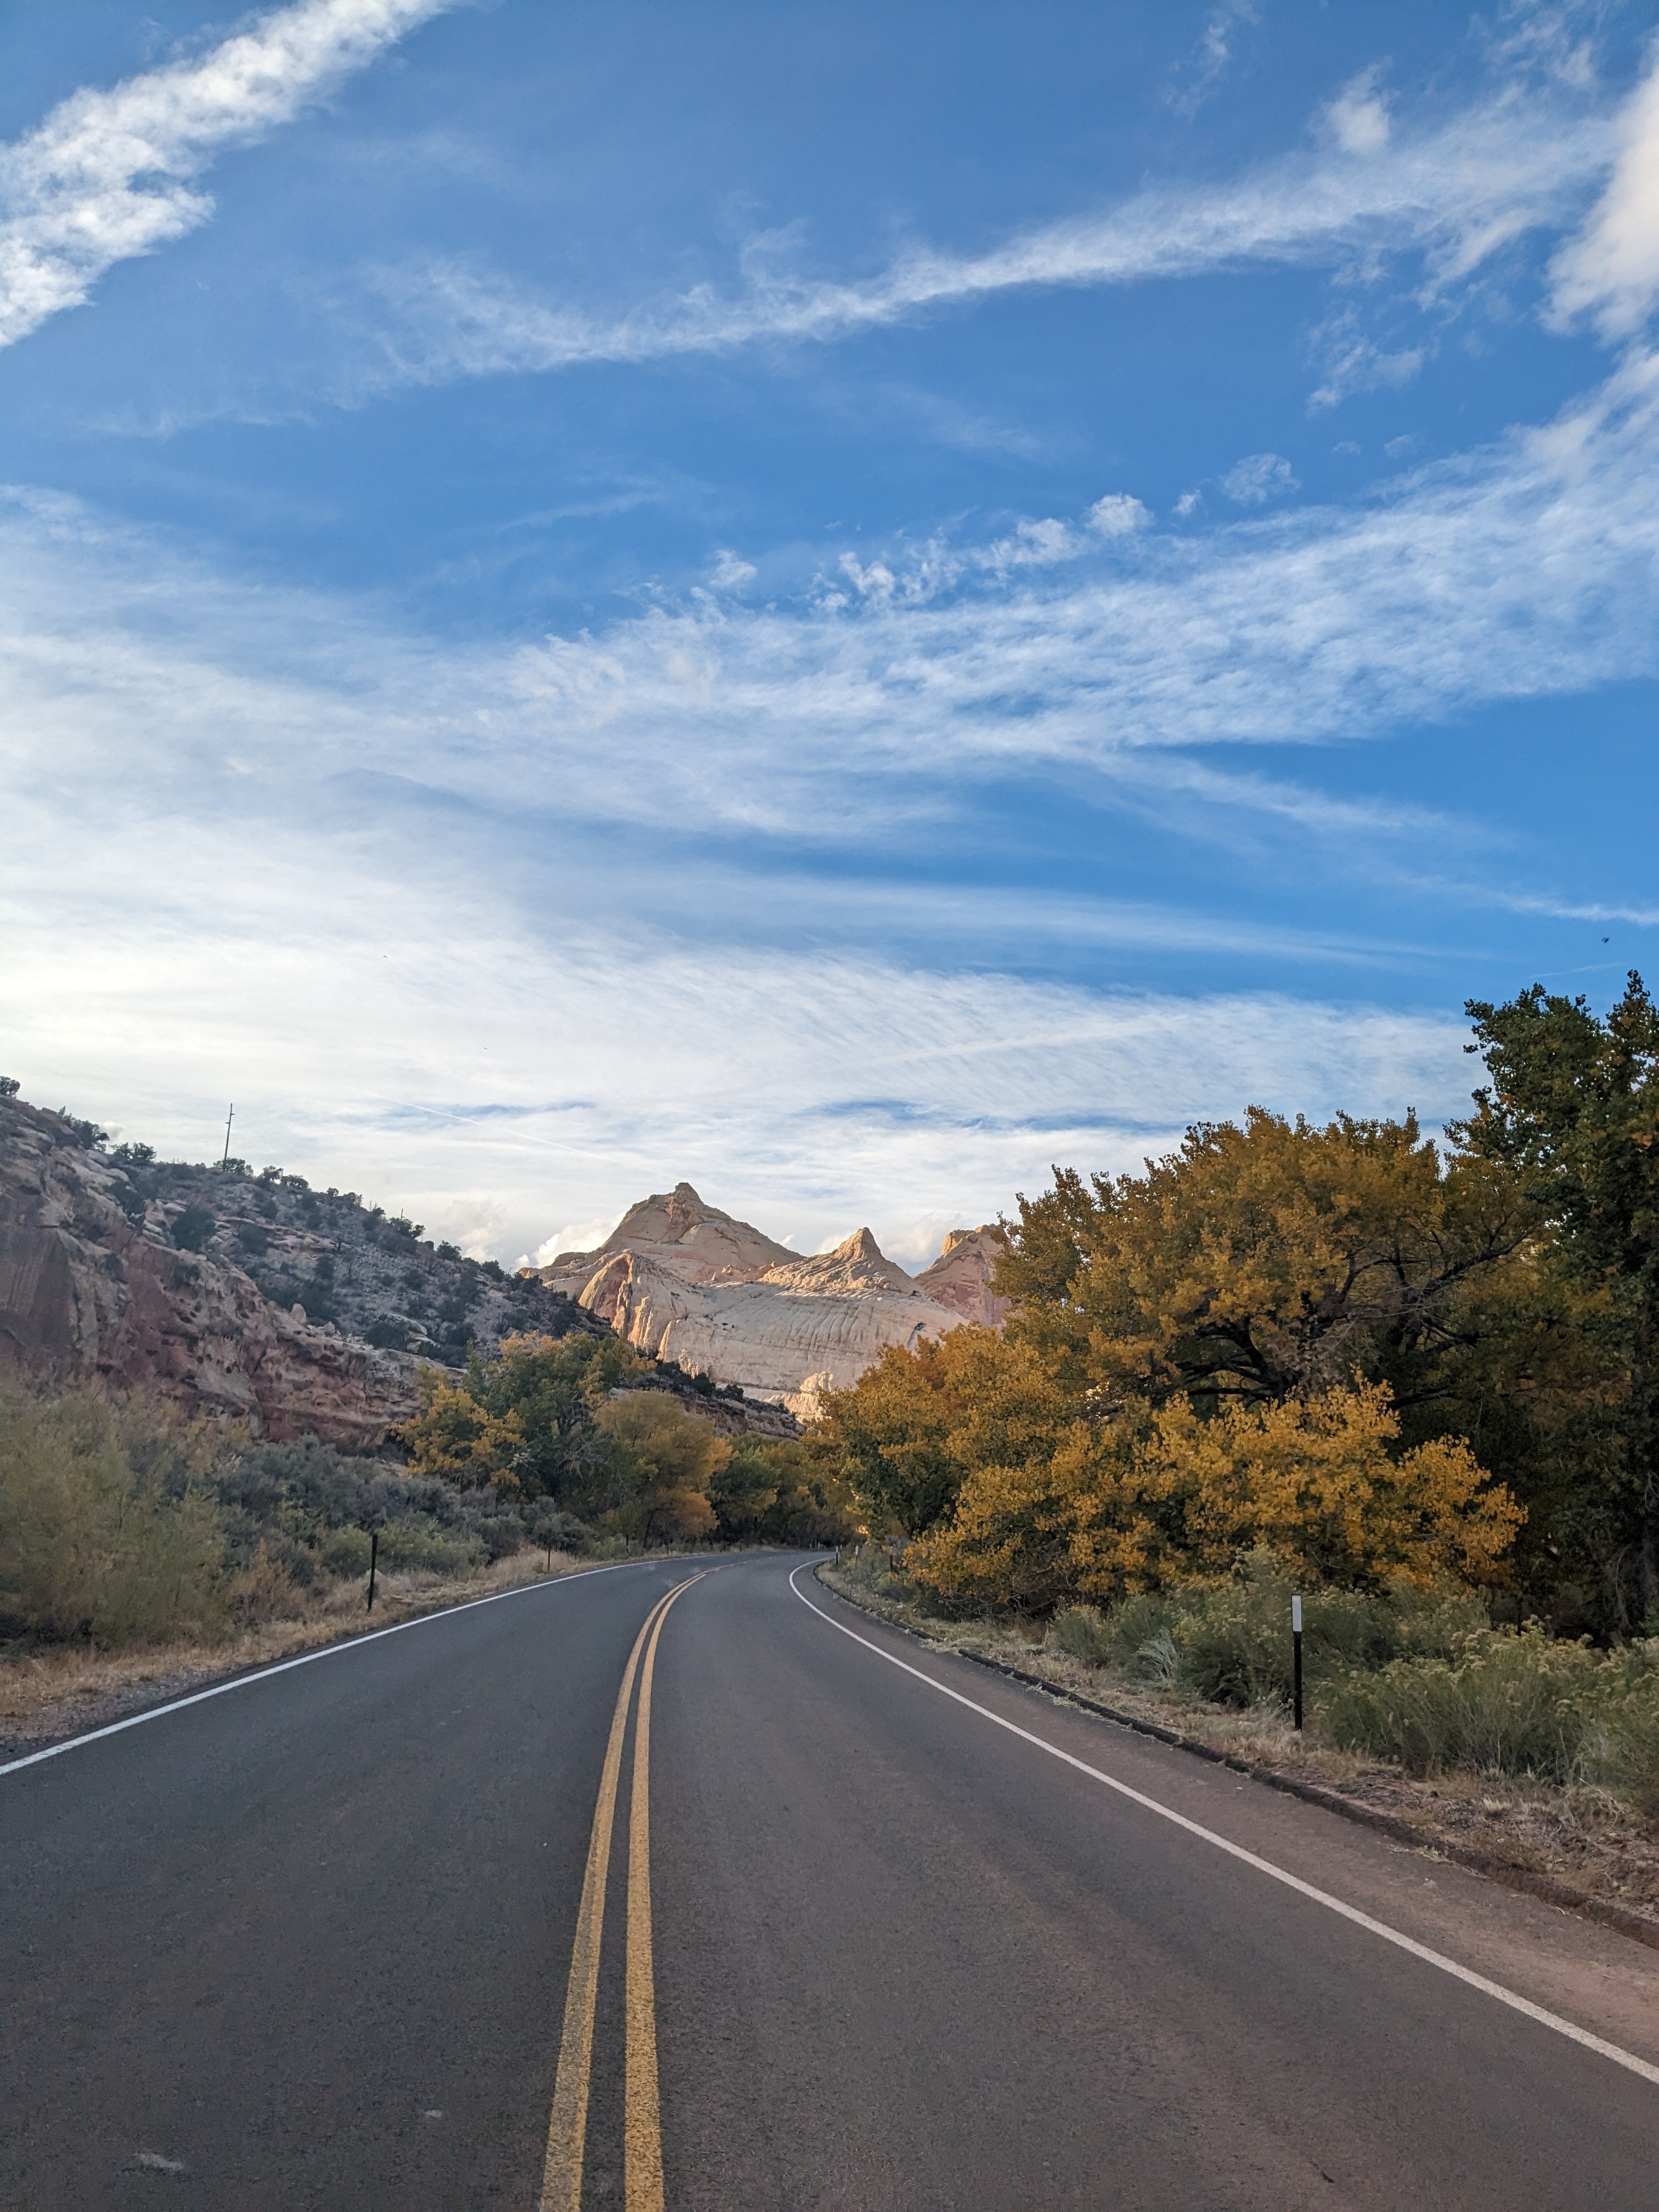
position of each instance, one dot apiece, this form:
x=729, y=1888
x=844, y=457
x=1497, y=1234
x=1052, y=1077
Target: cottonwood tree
x=1260, y=1263
x=1571, y=1111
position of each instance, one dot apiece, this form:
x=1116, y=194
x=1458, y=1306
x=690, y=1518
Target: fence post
x=1296, y=1659
x=374, y=1561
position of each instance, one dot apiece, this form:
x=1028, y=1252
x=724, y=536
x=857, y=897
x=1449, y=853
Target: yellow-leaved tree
x=910, y=1431
x=1154, y=1498
x=1260, y=1262
x=456, y=1434
x=666, y=1459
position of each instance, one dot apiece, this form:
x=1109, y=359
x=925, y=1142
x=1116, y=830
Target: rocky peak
x=961, y=1276
x=857, y=1265
x=679, y=1230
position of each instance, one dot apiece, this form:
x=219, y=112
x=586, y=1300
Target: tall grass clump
x=108, y=1531
x=1507, y=1704
x=1229, y=1640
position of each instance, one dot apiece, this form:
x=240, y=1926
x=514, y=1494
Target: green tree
x=525, y=1419
x=1571, y=1110
x=667, y=1460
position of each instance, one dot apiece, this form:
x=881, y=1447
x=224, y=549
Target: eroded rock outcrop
x=85, y=1289
x=961, y=1276
x=681, y=1280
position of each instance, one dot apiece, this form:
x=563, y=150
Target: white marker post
x=1296, y=1660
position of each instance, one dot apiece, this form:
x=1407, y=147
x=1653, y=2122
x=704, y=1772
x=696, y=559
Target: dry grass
x=1586, y=1838
x=56, y=1690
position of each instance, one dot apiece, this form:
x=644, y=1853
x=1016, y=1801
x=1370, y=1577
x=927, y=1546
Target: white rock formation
x=682, y=1280
x=698, y=1243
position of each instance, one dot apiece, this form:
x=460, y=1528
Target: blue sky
x=840, y=602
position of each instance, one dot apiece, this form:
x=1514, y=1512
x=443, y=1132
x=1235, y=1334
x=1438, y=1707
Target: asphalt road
x=310, y=1944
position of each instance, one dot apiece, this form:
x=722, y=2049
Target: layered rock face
x=961, y=1276
x=85, y=1290
x=681, y=1280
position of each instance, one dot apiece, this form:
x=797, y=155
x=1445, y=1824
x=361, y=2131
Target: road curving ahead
x=675, y=1889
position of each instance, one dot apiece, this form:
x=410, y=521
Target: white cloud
x=1352, y=362
x=1118, y=515
x=1457, y=193
x=107, y=175
x=730, y=572
x=1529, y=569
x=1215, y=54
x=1259, y=478
x=369, y=855
x=1610, y=271
x=1358, y=119
x=409, y=1034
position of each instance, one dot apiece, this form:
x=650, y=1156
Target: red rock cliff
x=86, y=1291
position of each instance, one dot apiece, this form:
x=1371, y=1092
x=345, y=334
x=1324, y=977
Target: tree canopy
x=578, y=1426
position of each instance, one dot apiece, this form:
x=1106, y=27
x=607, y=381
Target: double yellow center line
x=567, y=2135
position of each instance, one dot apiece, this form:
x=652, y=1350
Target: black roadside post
x=1296, y=1659
x=374, y=1556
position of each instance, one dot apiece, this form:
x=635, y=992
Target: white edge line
x=305, y=1659
x=1511, y=1998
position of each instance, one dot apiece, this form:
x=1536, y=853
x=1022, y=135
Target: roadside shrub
x=312, y=1509
x=1621, y=1745
x=106, y=1528
x=1230, y=1641
x=1080, y=1633
x=1233, y=1640
x=1513, y=1705
x=343, y=1552
x=1504, y=1704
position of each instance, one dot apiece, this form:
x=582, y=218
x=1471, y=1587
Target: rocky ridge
x=252, y=1296
x=682, y=1280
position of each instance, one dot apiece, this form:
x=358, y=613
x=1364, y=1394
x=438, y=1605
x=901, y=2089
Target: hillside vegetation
x=373, y=1275
x=123, y=1523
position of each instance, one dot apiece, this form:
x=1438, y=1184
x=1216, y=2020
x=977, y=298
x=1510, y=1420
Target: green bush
x=123, y=1523
x=1504, y=1704
x=1079, y=1631
x=1230, y=1641
x=106, y=1528
x=343, y=1552
x=413, y=1546
x=1513, y=1705
x=1621, y=1746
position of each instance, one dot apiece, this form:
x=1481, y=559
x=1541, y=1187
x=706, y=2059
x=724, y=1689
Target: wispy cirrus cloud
x=374, y=856
x=495, y=1076
x=1608, y=274
x=110, y=174
x=1455, y=193
x=1203, y=71
x=900, y=684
